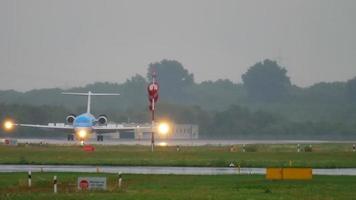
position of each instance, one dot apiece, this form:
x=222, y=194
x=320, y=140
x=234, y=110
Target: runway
x=199, y=142
x=159, y=170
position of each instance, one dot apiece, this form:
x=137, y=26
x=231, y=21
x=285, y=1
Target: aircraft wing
x=109, y=128
x=112, y=128
x=52, y=126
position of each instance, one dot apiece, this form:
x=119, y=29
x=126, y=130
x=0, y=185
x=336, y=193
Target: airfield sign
x=91, y=183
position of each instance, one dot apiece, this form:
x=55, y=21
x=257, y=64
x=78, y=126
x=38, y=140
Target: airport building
x=184, y=131
x=177, y=131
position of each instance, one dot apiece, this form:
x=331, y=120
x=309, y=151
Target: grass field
x=322, y=155
x=14, y=186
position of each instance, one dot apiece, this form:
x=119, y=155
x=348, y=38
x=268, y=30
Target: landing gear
x=99, y=138
x=70, y=137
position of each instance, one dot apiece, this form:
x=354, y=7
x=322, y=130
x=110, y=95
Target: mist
x=45, y=44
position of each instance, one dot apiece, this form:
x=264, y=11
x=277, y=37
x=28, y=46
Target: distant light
x=82, y=133
x=163, y=128
x=8, y=125
x=162, y=144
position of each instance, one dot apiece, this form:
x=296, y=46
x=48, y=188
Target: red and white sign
x=153, y=91
x=84, y=184
x=92, y=183
x=11, y=142
x=88, y=148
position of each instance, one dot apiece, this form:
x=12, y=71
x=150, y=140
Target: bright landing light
x=163, y=128
x=8, y=125
x=82, y=133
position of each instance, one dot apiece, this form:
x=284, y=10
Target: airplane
x=84, y=125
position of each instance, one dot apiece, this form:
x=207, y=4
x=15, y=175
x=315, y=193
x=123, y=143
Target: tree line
x=266, y=104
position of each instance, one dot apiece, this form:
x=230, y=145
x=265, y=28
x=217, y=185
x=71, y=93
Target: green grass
x=14, y=186
x=323, y=155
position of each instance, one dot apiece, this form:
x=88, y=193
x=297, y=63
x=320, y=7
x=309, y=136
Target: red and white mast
x=152, y=90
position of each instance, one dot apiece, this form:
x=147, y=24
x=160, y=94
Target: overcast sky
x=67, y=43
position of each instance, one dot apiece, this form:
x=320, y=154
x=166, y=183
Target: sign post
x=153, y=125
x=29, y=179
x=55, y=184
x=120, y=180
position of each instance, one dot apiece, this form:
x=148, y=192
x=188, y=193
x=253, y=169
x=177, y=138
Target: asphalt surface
x=159, y=170
x=179, y=142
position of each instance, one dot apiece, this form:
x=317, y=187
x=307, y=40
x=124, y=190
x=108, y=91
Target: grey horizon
x=66, y=43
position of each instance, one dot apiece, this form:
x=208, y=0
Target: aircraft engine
x=102, y=119
x=70, y=118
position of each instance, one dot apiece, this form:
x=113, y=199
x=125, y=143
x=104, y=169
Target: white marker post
x=120, y=180
x=55, y=184
x=353, y=147
x=298, y=148
x=29, y=179
x=243, y=148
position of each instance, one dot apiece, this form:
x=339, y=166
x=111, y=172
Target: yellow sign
x=274, y=174
x=289, y=173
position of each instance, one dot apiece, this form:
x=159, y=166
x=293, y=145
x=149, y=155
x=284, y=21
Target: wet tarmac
x=193, y=142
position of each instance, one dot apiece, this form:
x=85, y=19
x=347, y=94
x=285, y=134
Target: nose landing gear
x=70, y=137
x=99, y=138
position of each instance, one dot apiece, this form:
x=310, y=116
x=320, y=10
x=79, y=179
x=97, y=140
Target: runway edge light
x=8, y=125
x=163, y=128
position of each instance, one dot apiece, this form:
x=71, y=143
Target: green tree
x=351, y=89
x=172, y=77
x=266, y=81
